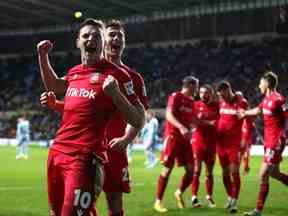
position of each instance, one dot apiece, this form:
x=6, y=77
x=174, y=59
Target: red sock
x=263, y=193
x=236, y=185
x=162, y=183
x=209, y=182
x=195, y=184
x=227, y=184
x=185, y=181
x=246, y=161
x=93, y=210
x=283, y=178
x=121, y=213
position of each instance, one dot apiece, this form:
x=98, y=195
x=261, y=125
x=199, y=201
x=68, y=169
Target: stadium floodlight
x=77, y=14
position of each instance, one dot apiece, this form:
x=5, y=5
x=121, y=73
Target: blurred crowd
x=163, y=67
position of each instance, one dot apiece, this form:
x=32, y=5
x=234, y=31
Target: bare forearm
x=173, y=120
x=50, y=79
x=253, y=112
x=131, y=133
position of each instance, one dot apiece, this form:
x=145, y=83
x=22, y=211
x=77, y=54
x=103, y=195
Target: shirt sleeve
x=126, y=87
x=140, y=89
x=243, y=104
x=172, y=102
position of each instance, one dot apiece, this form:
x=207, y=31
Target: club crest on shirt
x=94, y=77
x=75, y=76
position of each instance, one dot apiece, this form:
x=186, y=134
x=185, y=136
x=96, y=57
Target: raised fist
x=44, y=47
x=110, y=85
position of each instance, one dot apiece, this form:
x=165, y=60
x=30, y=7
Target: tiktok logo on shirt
x=81, y=92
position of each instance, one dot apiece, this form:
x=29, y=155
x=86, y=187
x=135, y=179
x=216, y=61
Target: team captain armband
x=129, y=88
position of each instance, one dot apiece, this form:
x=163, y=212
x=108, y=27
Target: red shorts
x=228, y=156
x=274, y=155
x=205, y=154
x=71, y=183
x=228, y=149
x=117, y=173
x=176, y=148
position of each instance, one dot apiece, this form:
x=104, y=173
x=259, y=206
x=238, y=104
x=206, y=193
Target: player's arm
x=250, y=112
x=121, y=143
x=50, y=79
x=134, y=114
x=48, y=99
x=174, y=121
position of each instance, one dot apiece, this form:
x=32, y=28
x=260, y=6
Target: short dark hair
x=272, y=79
x=93, y=22
x=189, y=80
x=209, y=88
x=115, y=23
x=223, y=85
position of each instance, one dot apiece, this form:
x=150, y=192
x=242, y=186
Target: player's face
x=90, y=41
x=115, y=41
x=193, y=89
x=205, y=95
x=224, y=93
x=263, y=86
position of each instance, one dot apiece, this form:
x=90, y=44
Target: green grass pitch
x=23, y=189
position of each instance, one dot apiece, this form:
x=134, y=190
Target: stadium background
x=167, y=39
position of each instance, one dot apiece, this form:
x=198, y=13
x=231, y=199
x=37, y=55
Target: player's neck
x=231, y=98
x=91, y=61
x=115, y=59
x=270, y=91
x=186, y=92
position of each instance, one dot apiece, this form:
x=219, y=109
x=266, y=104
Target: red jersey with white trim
x=205, y=135
x=274, y=119
x=117, y=125
x=229, y=123
x=182, y=108
x=87, y=109
x=247, y=129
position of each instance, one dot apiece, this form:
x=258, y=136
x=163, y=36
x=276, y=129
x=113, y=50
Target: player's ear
x=77, y=42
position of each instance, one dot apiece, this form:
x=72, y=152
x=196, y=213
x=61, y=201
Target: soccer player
x=246, y=139
x=228, y=141
x=23, y=137
x=117, y=178
x=176, y=146
x=274, y=140
x=204, y=143
x=94, y=91
x=118, y=133
x=246, y=142
x=149, y=136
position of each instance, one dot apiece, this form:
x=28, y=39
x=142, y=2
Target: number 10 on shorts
x=82, y=198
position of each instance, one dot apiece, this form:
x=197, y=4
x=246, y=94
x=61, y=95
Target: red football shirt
x=247, y=129
x=182, y=108
x=205, y=135
x=87, y=109
x=274, y=119
x=229, y=123
x=117, y=125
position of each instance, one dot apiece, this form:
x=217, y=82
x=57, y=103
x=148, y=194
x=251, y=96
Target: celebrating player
x=229, y=133
x=117, y=178
x=204, y=143
x=95, y=91
x=176, y=145
x=274, y=137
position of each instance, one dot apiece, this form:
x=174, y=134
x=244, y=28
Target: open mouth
x=115, y=47
x=90, y=49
